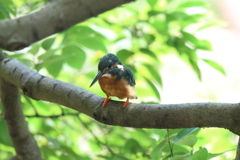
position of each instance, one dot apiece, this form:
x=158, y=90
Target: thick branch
x=38, y=87
x=53, y=18
x=24, y=144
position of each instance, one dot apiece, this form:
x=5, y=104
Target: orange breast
x=120, y=89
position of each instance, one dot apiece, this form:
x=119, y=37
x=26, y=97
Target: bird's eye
x=109, y=66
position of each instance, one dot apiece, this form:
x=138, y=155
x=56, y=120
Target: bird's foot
x=105, y=101
x=125, y=103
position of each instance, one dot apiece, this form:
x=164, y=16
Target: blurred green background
x=147, y=36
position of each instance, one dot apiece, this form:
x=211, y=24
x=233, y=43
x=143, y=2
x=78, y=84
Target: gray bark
x=25, y=146
x=55, y=17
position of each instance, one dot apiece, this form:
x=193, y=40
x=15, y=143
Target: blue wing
x=129, y=76
x=126, y=73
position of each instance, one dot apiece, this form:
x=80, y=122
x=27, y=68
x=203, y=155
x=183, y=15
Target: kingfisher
x=115, y=79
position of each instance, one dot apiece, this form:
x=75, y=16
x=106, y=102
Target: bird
x=115, y=79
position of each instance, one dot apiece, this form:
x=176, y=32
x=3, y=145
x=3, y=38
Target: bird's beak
x=100, y=73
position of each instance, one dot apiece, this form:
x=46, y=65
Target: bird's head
x=107, y=63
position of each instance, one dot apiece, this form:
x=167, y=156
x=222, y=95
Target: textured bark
x=38, y=87
x=23, y=142
x=53, y=18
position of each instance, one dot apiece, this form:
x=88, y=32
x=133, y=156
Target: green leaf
x=189, y=140
x=174, y=16
x=197, y=43
x=132, y=146
x=215, y=65
x=193, y=18
x=181, y=157
x=154, y=73
x=53, y=64
x=131, y=67
x=124, y=54
x=191, y=57
x=55, y=68
x=16, y=55
x=92, y=43
x=149, y=52
x=154, y=88
x=160, y=25
x=189, y=37
x=204, y=45
x=4, y=12
x=195, y=67
x=75, y=56
x=27, y=62
x=152, y=3
x=160, y=132
x=177, y=43
x=210, y=155
x=149, y=38
x=4, y=135
x=78, y=34
x=195, y=3
x=156, y=153
x=201, y=154
x=154, y=13
x=85, y=31
x=54, y=142
x=48, y=43
x=64, y=157
x=34, y=49
x=173, y=132
x=207, y=25
x=51, y=60
x=47, y=152
x=183, y=133
x=177, y=150
x=69, y=150
x=49, y=53
x=183, y=5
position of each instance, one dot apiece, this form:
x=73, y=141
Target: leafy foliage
x=139, y=33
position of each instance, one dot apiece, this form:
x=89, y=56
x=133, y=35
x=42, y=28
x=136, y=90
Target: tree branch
x=188, y=115
x=52, y=116
x=24, y=144
x=21, y=32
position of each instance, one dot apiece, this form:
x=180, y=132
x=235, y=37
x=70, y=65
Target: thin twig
x=169, y=143
x=52, y=116
x=95, y=137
